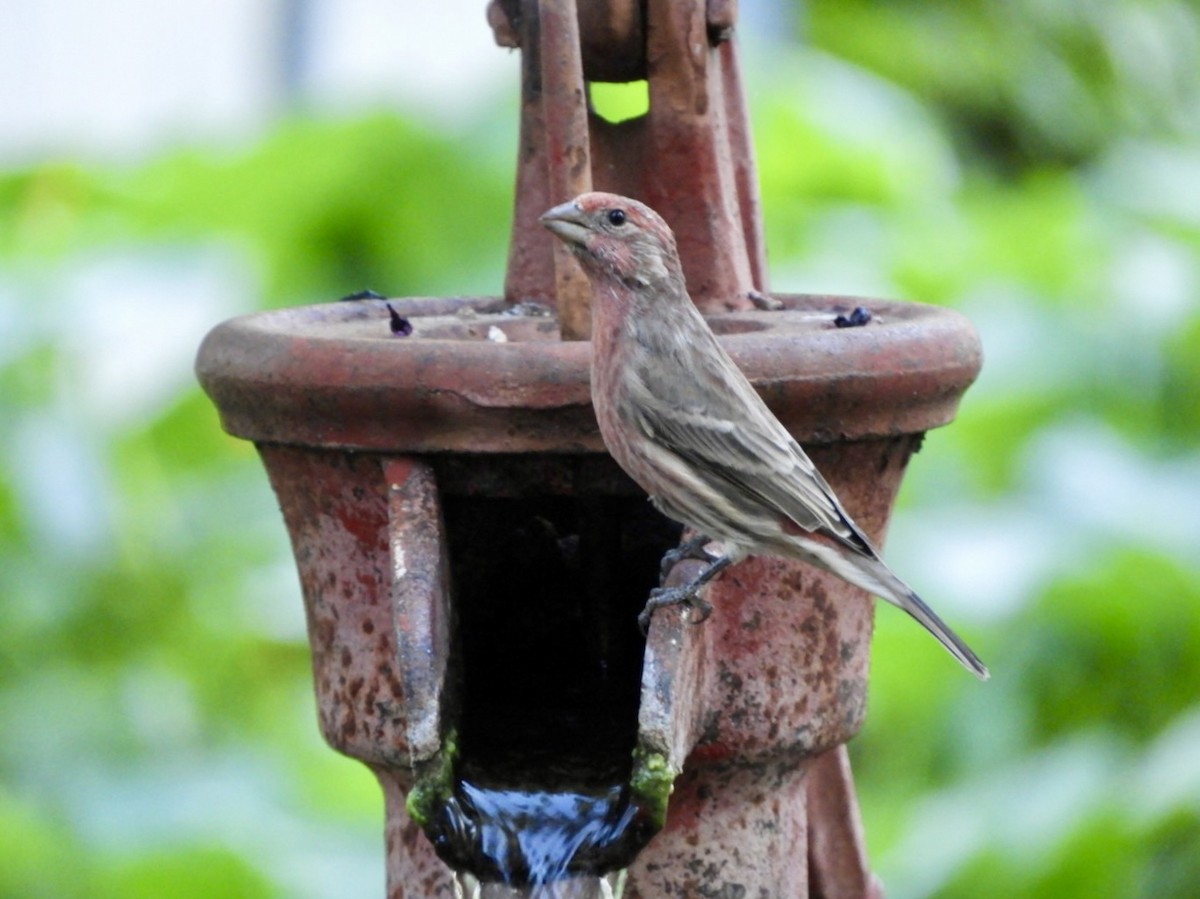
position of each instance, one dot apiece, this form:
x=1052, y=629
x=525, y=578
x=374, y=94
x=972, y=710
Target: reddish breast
x=609, y=361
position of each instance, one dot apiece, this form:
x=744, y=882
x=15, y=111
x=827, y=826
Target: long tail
x=895, y=591
x=873, y=575
x=916, y=607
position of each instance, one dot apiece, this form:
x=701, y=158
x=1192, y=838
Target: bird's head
x=616, y=237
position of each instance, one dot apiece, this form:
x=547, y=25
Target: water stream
x=610, y=886
x=539, y=837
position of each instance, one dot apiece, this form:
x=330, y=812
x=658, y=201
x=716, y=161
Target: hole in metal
x=548, y=668
x=619, y=102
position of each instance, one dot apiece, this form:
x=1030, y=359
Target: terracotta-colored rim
x=333, y=375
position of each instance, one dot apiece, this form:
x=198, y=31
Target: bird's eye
x=616, y=217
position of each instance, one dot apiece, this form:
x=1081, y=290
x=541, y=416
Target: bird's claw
x=689, y=549
x=688, y=594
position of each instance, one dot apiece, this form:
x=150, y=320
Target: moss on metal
x=434, y=783
x=652, y=781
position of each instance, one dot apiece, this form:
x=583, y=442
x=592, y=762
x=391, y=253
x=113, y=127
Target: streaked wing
x=714, y=419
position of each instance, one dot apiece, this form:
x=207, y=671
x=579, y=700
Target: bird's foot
x=673, y=596
x=689, y=549
x=684, y=593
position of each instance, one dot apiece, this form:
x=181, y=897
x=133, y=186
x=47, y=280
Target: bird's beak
x=568, y=222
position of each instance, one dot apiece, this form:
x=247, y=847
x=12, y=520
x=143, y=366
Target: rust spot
x=847, y=650
x=730, y=679
x=323, y=635
x=368, y=626
x=820, y=596
x=810, y=626
x=363, y=527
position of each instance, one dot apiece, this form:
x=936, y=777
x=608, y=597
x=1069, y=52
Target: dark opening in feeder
x=549, y=670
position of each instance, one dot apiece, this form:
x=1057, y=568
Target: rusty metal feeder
x=437, y=486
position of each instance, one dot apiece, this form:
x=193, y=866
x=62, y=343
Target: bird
x=683, y=421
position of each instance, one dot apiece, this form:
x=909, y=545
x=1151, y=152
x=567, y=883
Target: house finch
x=682, y=420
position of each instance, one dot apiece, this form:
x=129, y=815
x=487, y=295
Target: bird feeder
x=472, y=561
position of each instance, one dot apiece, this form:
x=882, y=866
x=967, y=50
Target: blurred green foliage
x=1030, y=163
x=1029, y=82
x=321, y=205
